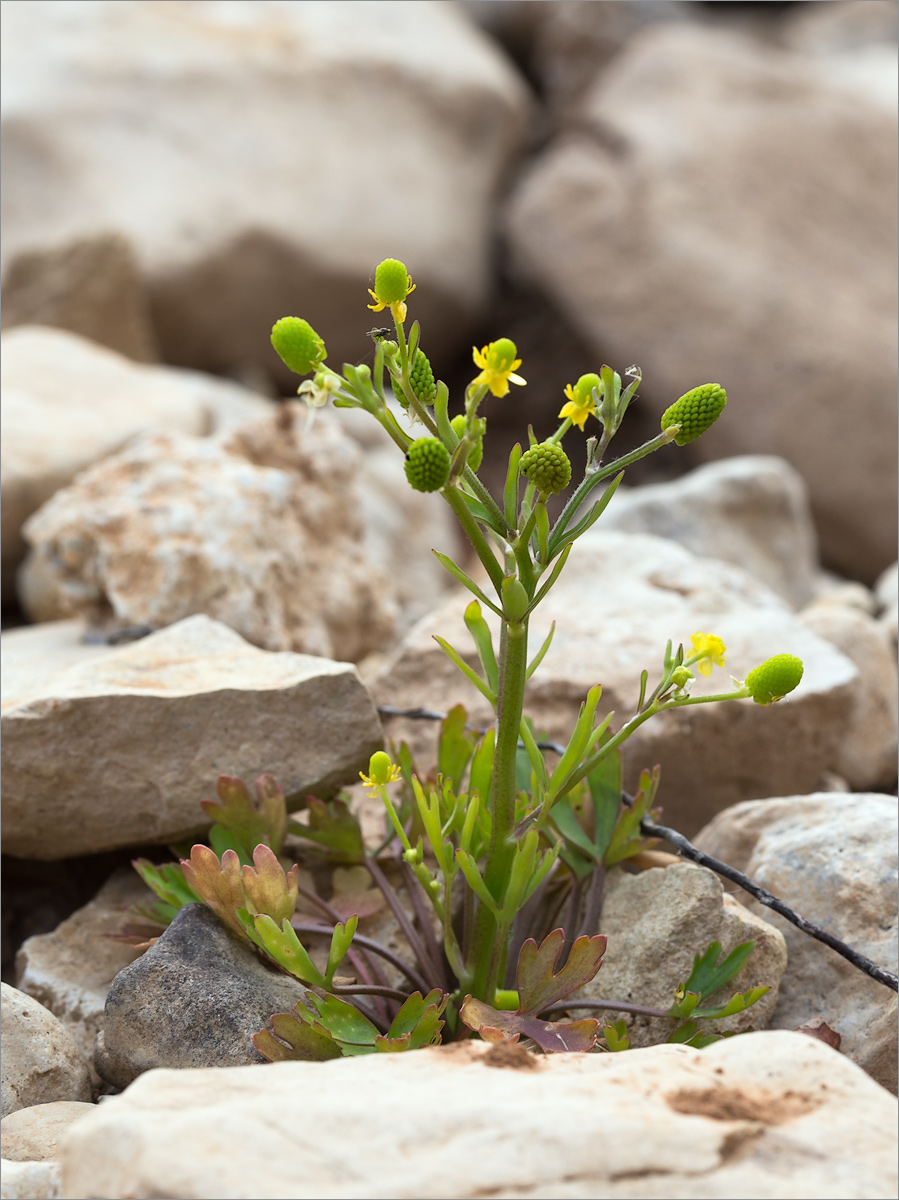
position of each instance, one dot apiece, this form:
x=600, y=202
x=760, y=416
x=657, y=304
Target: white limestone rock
x=69, y=970
x=751, y=511
x=764, y=1115
x=321, y=138
x=832, y=858
x=68, y=402
x=40, y=1061
x=619, y=600
x=32, y=1134
x=777, y=292
x=120, y=749
x=29, y=1180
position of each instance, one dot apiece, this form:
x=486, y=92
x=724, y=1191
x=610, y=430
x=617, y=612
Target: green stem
x=488, y=943
x=473, y=531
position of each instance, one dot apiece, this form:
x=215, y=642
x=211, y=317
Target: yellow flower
x=581, y=403
x=382, y=770
x=707, y=649
x=497, y=362
x=393, y=283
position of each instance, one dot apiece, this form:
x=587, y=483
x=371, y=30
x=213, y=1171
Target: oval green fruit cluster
x=392, y=282
x=298, y=345
x=774, y=678
x=421, y=379
x=427, y=465
x=695, y=412
x=547, y=467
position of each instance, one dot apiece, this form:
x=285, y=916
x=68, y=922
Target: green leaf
x=737, y=1004
x=627, y=840
x=459, y=574
x=470, y=674
x=617, y=1036
x=455, y=747
x=690, y=1035
x=539, y=656
x=480, y=632
x=265, y=821
x=282, y=945
x=418, y=1021
x=296, y=1041
x=708, y=974
x=168, y=882
x=482, y=765
x=333, y=827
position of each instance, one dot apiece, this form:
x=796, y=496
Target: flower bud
x=547, y=467
x=695, y=412
x=427, y=464
x=298, y=345
x=774, y=678
x=476, y=453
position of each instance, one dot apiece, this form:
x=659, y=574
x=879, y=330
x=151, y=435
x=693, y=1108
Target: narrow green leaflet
x=455, y=746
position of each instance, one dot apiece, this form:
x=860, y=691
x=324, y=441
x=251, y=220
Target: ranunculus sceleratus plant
x=501, y=826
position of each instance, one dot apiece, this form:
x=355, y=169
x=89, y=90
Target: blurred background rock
x=705, y=189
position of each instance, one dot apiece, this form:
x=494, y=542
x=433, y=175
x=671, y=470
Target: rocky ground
x=197, y=580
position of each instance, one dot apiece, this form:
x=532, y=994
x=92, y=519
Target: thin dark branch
x=430, y=714
x=688, y=850
x=363, y=989
x=611, y=1005
x=370, y=944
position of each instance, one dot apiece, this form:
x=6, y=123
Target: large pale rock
x=777, y=292
x=853, y=42
x=321, y=139
x=176, y=525
x=752, y=511
x=91, y=287
x=69, y=970
x=763, y=1115
x=865, y=753
x=119, y=750
x=69, y=402
x=619, y=600
x=40, y=1061
x=29, y=1180
x=656, y=923
x=833, y=858
x=887, y=594
x=32, y=1134
x=194, y=999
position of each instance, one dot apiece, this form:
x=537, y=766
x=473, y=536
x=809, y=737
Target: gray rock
x=777, y=292
x=32, y=1134
x=194, y=999
x=119, y=750
x=833, y=858
x=69, y=970
x=751, y=511
x=40, y=1061
x=656, y=923
x=620, y=599
x=765, y=1115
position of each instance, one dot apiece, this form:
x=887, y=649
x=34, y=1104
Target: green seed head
x=392, y=282
x=695, y=412
x=774, y=678
x=427, y=465
x=547, y=467
x=476, y=453
x=298, y=345
x=421, y=379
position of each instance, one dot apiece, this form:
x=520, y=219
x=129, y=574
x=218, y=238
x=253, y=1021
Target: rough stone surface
x=619, y=600
x=40, y=1061
x=176, y=525
x=82, y=761
x=656, y=923
x=194, y=999
x=91, y=287
x=656, y=188
x=69, y=970
x=852, y=42
x=752, y=511
x=887, y=593
x=29, y=1180
x=763, y=1115
x=68, y=402
x=865, y=755
x=32, y=1134
x=257, y=217
x=833, y=858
